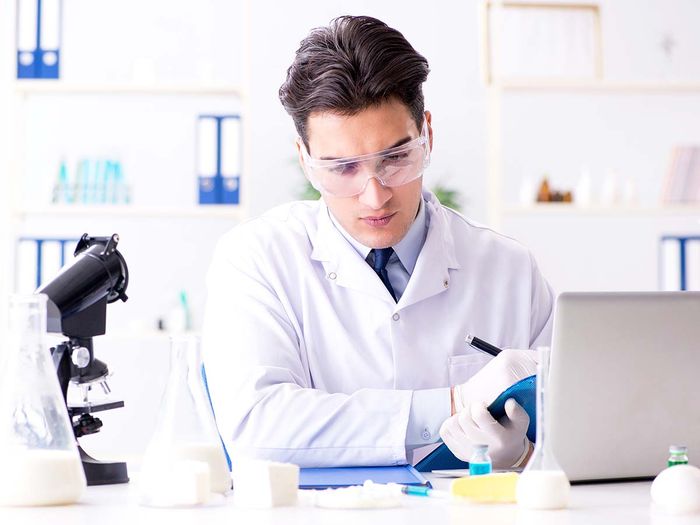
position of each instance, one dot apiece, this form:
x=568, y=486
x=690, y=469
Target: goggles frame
x=310, y=164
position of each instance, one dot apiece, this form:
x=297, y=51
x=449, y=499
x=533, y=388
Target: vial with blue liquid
x=480, y=462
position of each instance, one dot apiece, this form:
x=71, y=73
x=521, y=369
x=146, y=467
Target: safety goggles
x=348, y=176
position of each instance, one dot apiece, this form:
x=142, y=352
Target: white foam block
x=264, y=484
x=175, y=484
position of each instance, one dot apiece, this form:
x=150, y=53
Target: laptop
x=624, y=383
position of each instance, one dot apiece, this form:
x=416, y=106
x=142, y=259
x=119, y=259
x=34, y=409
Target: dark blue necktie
x=381, y=258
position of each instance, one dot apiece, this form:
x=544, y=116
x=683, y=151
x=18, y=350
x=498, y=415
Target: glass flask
x=543, y=484
x=39, y=460
x=185, y=460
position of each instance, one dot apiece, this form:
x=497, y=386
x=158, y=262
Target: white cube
x=264, y=484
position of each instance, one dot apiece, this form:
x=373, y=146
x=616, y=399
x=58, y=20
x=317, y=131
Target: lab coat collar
x=407, y=249
x=341, y=262
x=431, y=275
x=344, y=265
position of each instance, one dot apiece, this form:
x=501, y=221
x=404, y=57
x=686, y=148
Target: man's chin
x=377, y=240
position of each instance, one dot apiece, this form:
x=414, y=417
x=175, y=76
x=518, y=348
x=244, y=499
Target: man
x=334, y=329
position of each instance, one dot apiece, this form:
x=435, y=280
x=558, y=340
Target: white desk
x=619, y=504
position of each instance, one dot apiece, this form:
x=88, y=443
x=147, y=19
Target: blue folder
x=333, y=478
x=524, y=392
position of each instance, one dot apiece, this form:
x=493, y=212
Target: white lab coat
x=309, y=360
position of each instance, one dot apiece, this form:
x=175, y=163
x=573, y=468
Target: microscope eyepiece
x=97, y=274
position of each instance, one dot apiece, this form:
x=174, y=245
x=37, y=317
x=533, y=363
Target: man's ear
x=300, y=156
x=428, y=119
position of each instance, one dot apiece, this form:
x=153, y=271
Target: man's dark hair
x=354, y=63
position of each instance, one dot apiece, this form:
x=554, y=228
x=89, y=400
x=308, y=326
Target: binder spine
x=38, y=39
x=209, y=181
x=218, y=159
x=230, y=148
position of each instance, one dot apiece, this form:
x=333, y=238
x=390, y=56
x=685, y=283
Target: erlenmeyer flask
x=543, y=484
x=39, y=461
x=185, y=459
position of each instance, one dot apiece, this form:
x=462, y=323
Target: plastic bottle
x=678, y=455
x=480, y=461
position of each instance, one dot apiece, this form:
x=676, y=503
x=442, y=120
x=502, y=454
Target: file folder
x=38, y=39
x=27, y=38
x=49, y=38
x=441, y=458
x=40, y=259
x=208, y=160
x=333, y=478
x=25, y=266
x=52, y=253
x=524, y=392
x=679, y=263
x=230, y=147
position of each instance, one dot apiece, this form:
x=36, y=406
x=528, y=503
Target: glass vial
x=39, y=459
x=677, y=455
x=543, y=484
x=480, y=461
x=185, y=459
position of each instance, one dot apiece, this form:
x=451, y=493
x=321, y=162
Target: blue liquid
x=477, y=469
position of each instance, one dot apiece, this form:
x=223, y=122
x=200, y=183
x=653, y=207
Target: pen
x=482, y=345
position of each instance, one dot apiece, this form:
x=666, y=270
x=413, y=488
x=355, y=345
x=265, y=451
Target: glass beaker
x=543, y=484
x=39, y=460
x=185, y=459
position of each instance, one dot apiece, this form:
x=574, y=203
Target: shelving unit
x=572, y=210
x=208, y=211
x=598, y=85
x=166, y=237
x=30, y=87
x=498, y=209
x=556, y=126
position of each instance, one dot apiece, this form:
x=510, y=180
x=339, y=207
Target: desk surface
x=623, y=503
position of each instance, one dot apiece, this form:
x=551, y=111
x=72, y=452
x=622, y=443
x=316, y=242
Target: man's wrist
x=452, y=401
x=525, y=457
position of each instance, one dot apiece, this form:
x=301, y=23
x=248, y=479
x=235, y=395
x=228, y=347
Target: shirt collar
x=407, y=249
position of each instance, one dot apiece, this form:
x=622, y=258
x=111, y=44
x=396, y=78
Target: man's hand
x=504, y=370
x=474, y=425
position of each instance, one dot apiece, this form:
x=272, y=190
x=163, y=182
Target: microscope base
x=103, y=472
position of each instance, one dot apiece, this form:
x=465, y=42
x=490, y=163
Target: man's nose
x=375, y=194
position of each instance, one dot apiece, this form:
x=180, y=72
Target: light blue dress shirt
x=429, y=408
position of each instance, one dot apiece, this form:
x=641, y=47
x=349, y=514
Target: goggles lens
x=348, y=176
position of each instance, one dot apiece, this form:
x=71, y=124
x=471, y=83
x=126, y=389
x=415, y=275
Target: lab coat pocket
x=462, y=367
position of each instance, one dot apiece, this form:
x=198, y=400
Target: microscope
x=77, y=308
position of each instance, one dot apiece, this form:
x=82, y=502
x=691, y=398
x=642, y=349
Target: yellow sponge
x=487, y=488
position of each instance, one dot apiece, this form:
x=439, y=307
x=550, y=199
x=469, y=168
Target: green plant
x=308, y=192
x=447, y=196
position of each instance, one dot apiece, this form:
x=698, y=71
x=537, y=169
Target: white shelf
x=597, y=85
x=51, y=87
x=203, y=211
x=564, y=209
x=138, y=335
